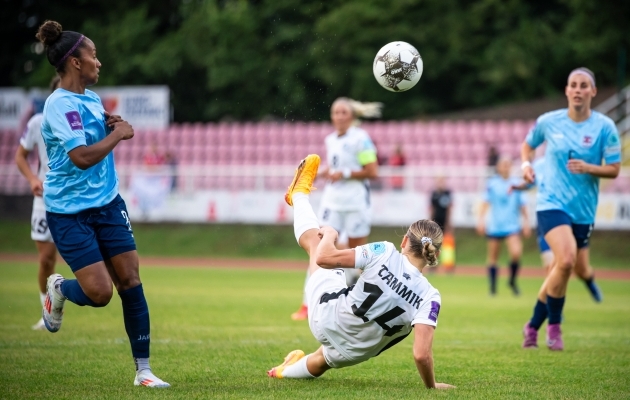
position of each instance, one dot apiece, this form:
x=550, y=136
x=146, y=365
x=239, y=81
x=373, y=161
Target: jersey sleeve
x=536, y=135
x=429, y=310
x=612, y=145
x=372, y=254
x=66, y=124
x=28, y=139
x=366, y=152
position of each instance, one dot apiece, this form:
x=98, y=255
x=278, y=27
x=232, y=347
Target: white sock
x=141, y=363
x=297, y=370
x=42, y=298
x=304, y=217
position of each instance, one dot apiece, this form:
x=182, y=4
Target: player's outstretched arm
x=423, y=356
x=328, y=256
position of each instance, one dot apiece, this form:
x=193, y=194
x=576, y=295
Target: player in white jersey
x=46, y=248
x=351, y=159
x=390, y=300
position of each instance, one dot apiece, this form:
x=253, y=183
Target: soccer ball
x=397, y=66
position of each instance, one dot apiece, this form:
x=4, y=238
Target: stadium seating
x=425, y=143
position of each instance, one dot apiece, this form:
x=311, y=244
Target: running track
x=206, y=262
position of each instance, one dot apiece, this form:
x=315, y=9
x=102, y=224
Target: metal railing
x=190, y=179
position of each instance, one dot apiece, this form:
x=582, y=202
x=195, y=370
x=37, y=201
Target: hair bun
x=49, y=32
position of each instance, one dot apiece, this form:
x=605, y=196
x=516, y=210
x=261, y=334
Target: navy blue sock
x=71, y=289
x=492, y=275
x=554, y=308
x=136, y=315
x=540, y=315
x=514, y=267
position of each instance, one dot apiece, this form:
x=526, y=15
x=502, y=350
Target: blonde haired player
x=40, y=233
x=391, y=297
x=351, y=159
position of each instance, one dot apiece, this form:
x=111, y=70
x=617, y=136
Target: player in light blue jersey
x=86, y=216
x=582, y=146
x=500, y=219
x=584, y=272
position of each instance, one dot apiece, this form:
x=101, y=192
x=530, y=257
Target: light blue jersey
x=593, y=141
x=504, y=216
x=72, y=120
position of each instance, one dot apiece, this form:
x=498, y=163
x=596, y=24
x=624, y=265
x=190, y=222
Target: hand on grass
x=444, y=386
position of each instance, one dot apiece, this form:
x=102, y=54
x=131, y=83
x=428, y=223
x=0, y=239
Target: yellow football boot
x=290, y=359
x=305, y=175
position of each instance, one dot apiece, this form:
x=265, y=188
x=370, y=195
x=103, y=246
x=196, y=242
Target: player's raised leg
x=297, y=195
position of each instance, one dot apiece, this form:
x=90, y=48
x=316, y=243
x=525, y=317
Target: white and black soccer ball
x=397, y=66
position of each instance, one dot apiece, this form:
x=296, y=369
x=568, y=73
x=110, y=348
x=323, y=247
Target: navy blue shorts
x=501, y=236
x=549, y=219
x=92, y=235
x=542, y=243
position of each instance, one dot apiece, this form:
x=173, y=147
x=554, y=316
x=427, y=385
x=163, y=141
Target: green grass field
x=216, y=331
x=609, y=248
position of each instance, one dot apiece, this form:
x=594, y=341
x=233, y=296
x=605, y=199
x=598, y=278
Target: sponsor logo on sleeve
x=74, y=119
x=377, y=248
x=435, y=311
x=364, y=253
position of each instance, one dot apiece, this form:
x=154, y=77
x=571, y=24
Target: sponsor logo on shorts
x=435, y=311
x=74, y=119
x=377, y=248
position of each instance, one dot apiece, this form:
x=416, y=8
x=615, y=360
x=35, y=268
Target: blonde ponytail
x=425, y=240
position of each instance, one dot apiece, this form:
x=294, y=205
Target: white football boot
x=52, y=313
x=146, y=378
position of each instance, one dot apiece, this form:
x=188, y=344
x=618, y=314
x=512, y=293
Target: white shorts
x=39, y=224
x=356, y=224
x=321, y=282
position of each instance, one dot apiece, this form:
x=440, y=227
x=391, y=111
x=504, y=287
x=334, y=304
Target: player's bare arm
x=600, y=171
x=85, y=157
x=22, y=163
x=369, y=171
x=328, y=256
x=423, y=356
x=527, y=155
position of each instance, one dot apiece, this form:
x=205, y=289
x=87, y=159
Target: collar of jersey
x=411, y=267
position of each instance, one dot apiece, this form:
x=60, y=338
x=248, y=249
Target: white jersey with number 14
x=390, y=297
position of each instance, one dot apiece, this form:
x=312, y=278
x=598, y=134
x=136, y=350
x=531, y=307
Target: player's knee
x=128, y=283
x=566, y=262
x=101, y=296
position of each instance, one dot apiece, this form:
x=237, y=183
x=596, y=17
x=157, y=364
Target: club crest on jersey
x=74, y=119
x=587, y=141
x=406, y=276
x=377, y=248
x=435, y=311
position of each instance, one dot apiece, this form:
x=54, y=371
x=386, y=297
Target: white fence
x=255, y=194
